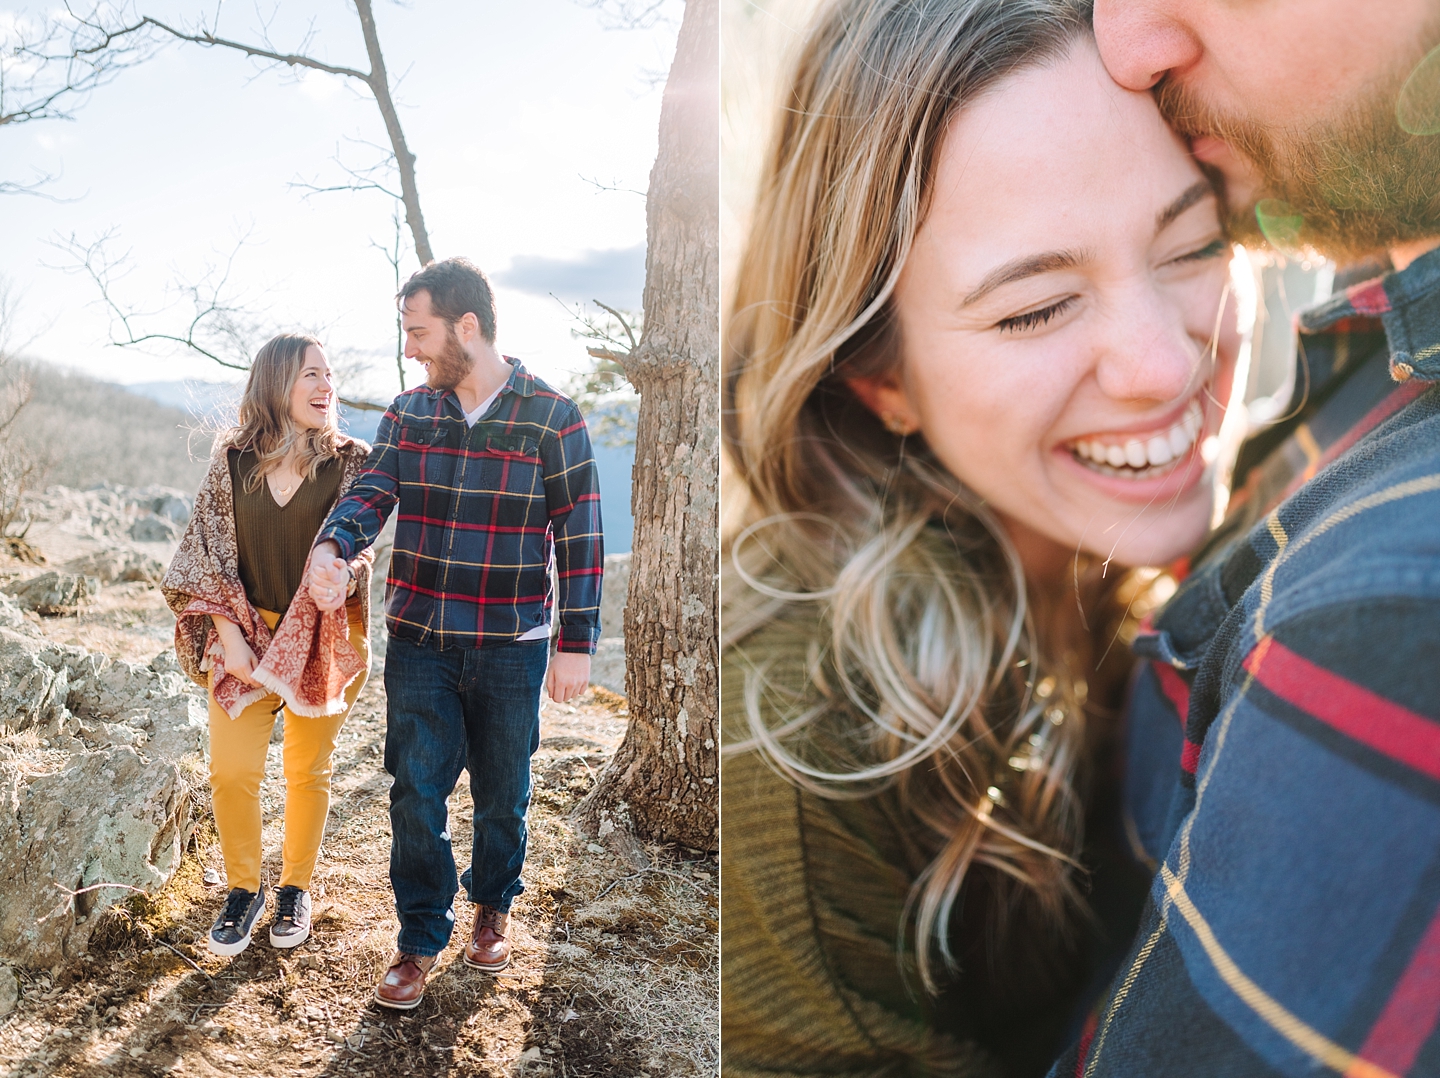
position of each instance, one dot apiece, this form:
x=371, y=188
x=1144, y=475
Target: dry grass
x=614, y=975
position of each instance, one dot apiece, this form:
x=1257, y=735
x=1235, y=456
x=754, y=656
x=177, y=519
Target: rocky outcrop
x=54, y=593
x=117, y=565
x=112, y=514
x=97, y=762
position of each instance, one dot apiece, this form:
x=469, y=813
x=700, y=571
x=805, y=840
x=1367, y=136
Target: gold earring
x=895, y=424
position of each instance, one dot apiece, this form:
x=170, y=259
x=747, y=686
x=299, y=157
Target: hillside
x=86, y=432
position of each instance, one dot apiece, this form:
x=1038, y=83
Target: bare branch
x=209, y=40
x=213, y=315
x=621, y=319
x=375, y=79
x=47, y=68
x=392, y=255
x=362, y=179
x=629, y=14
x=613, y=186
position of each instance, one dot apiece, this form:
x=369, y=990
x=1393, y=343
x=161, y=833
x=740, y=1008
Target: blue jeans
x=475, y=708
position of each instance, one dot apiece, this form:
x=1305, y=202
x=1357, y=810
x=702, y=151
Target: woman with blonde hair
x=249, y=632
x=973, y=362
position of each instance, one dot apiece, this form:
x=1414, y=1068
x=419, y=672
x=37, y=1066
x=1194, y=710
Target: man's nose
x=1140, y=40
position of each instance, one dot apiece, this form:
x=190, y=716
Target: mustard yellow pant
x=237, y=764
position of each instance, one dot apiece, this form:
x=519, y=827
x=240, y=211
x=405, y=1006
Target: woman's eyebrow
x=1196, y=192
x=1020, y=268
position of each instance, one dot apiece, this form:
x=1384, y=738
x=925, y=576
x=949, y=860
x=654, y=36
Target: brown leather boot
x=488, y=948
x=403, y=986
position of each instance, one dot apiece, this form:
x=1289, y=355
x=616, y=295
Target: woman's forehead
x=1054, y=146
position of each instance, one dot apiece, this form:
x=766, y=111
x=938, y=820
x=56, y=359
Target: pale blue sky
x=507, y=107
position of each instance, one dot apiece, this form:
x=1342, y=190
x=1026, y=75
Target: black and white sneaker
x=291, y=926
x=230, y=934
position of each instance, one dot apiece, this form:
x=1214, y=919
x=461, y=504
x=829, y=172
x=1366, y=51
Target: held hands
x=568, y=676
x=238, y=658
x=329, y=577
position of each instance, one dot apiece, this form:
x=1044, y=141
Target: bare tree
x=662, y=782
x=220, y=325
x=108, y=36
x=45, y=74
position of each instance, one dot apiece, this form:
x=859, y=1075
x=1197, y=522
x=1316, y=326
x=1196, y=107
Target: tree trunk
x=663, y=781
x=379, y=83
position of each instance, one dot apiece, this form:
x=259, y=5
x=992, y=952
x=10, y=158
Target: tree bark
x=662, y=784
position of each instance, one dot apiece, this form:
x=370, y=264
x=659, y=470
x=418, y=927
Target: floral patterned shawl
x=309, y=660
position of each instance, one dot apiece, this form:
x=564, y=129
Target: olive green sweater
x=813, y=891
x=273, y=541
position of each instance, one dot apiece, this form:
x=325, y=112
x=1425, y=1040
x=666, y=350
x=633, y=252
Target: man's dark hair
x=456, y=285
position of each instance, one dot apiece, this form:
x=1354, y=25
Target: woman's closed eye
x=1214, y=249
x=1019, y=323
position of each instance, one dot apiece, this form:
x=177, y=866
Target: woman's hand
x=329, y=577
x=238, y=658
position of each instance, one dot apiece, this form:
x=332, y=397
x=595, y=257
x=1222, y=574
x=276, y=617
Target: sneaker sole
x=228, y=950
x=293, y=939
x=495, y=968
x=396, y=1006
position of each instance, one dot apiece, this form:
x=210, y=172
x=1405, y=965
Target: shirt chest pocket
x=426, y=455
x=510, y=463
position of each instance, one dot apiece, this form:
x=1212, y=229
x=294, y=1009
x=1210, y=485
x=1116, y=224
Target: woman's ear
x=886, y=397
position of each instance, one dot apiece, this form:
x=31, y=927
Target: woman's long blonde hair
x=265, y=426
x=969, y=709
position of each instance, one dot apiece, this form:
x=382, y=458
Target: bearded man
x=493, y=474
x=1285, y=734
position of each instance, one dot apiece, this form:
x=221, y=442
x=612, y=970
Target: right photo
x=1080, y=541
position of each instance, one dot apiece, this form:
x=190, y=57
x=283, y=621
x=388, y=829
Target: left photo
x=358, y=538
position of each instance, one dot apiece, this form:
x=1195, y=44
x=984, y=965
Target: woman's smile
x=1145, y=462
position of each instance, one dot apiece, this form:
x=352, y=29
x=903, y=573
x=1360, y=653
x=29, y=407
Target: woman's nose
x=1140, y=40
x=1150, y=358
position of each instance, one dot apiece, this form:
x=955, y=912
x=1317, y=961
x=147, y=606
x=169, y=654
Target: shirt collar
x=1405, y=303
x=521, y=382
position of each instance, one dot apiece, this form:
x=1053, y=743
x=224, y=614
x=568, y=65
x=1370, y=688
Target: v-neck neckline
x=282, y=506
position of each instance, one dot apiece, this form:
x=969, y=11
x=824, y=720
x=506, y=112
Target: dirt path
x=615, y=972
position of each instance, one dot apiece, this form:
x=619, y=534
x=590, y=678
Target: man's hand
x=568, y=676
x=239, y=659
x=329, y=576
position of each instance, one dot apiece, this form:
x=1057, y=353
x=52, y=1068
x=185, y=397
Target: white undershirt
x=471, y=418
x=540, y=632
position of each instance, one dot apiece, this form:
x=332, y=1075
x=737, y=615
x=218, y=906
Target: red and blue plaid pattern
x=1284, y=738
x=481, y=511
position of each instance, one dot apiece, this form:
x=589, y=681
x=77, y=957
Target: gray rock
x=12, y=615
x=115, y=812
x=53, y=592
x=118, y=564
x=9, y=990
x=613, y=588
x=607, y=665
x=34, y=682
x=173, y=507
x=149, y=528
x=111, y=818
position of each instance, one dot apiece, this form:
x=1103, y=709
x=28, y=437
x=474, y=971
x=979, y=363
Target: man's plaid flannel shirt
x=481, y=509
x=1284, y=759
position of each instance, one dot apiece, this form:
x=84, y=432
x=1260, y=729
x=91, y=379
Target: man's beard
x=1347, y=188
x=449, y=368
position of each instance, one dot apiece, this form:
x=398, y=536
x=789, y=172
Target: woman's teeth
x=1142, y=458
